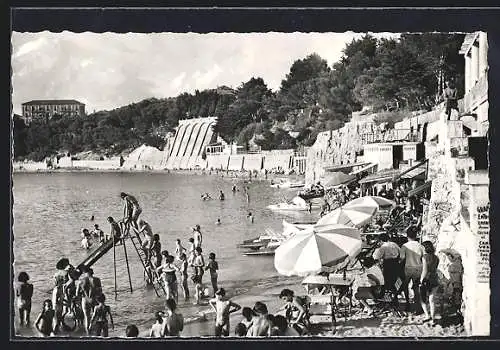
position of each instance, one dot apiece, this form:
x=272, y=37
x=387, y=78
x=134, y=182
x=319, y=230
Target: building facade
x=43, y=110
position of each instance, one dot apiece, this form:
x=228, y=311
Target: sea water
x=50, y=209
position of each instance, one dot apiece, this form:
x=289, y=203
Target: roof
x=468, y=41
x=420, y=189
x=52, y=102
x=343, y=166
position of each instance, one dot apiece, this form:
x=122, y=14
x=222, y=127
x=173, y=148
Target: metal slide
x=93, y=257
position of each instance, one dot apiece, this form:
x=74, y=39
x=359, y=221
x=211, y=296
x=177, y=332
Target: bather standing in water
x=131, y=209
x=89, y=289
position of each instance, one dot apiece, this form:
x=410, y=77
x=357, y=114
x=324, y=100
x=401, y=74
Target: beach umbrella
x=357, y=212
x=309, y=251
x=337, y=178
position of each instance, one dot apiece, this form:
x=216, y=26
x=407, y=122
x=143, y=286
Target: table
x=333, y=283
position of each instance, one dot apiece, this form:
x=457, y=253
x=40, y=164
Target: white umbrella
x=310, y=250
x=369, y=202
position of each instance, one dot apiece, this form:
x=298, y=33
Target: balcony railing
x=391, y=136
x=477, y=94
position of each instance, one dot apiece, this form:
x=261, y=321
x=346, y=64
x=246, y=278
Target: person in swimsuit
x=98, y=233
x=86, y=289
x=114, y=229
x=174, y=322
x=158, y=328
x=223, y=308
x=248, y=316
x=213, y=267
x=190, y=251
x=70, y=306
x=168, y=275
x=429, y=281
x=99, y=316
x=295, y=310
x=148, y=235
x=24, y=293
x=261, y=326
x=198, y=262
x=44, y=322
x=197, y=237
x=184, y=275
x=179, y=249
x=131, y=209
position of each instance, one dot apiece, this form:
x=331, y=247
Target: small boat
x=261, y=252
x=296, y=204
x=288, y=184
x=311, y=193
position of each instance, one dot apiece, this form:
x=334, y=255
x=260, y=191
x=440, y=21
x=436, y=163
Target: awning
x=413, y=171
x=336, y=179
x=343, y=166
x=381, y=176
x=420, y=189
x=365, y=168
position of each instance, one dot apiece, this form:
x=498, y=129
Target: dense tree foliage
x=396, y=75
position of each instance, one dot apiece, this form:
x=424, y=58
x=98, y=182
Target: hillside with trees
x=384, y=75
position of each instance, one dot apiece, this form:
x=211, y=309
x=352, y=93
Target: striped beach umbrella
x=357, y=212
x=309, y=251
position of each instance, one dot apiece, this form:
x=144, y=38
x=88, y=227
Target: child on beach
x=212, y=266
x=44, y=322
x=199, y=289
x=184, y=275
x=240, y=330
x=70, y=306
x=158, y=328
x=100, y=317
x=98, y=233
x=223, y=308
x=168, y=275
x=179, y=249
x=24, y=293
x=86, y=239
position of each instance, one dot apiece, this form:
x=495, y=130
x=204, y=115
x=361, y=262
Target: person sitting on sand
x=240, y=330
x=44, y=322
x=174, y=322
x=281, y=328
x=24, y=293
x=158, y=328
x=131, y=209
x=131, y=331
x=101, y=311
x=261, y=326
x=223, y=307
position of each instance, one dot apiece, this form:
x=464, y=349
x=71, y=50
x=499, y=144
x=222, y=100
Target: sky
x=110, y=70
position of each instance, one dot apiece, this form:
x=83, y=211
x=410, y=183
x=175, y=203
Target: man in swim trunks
x=146, y=229
x=198, y=238
x=222, y=308
x=131, y=209
x=115, y=230
x=174, y=322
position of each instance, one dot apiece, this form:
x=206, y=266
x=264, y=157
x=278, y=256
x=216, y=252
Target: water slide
x=183, y=145
x=201, y=141
x=93, y=257
x=189, y=147
x=179, y=136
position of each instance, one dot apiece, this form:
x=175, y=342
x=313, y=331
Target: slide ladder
x=150, y=274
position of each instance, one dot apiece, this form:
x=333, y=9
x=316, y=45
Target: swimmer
x=147, y=232
x=234, y=189
x=198, y=238
x=218, y=222
x=221, y=195
x=179, y=249
x=223, y=308
x=250, y=218
x=98, y=233
x=92, y=218
x=158, y=328
x=99, y=316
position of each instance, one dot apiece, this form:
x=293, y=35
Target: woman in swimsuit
x=86, y=291
x=100, y=317
x=44, y=322
x=169, y=277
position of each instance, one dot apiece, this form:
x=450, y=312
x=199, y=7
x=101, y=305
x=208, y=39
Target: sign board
x=483, y=244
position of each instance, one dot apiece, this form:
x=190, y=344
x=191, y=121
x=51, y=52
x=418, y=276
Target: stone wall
x=335, y=147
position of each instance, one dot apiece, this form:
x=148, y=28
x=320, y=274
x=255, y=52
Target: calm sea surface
x=50, y=210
